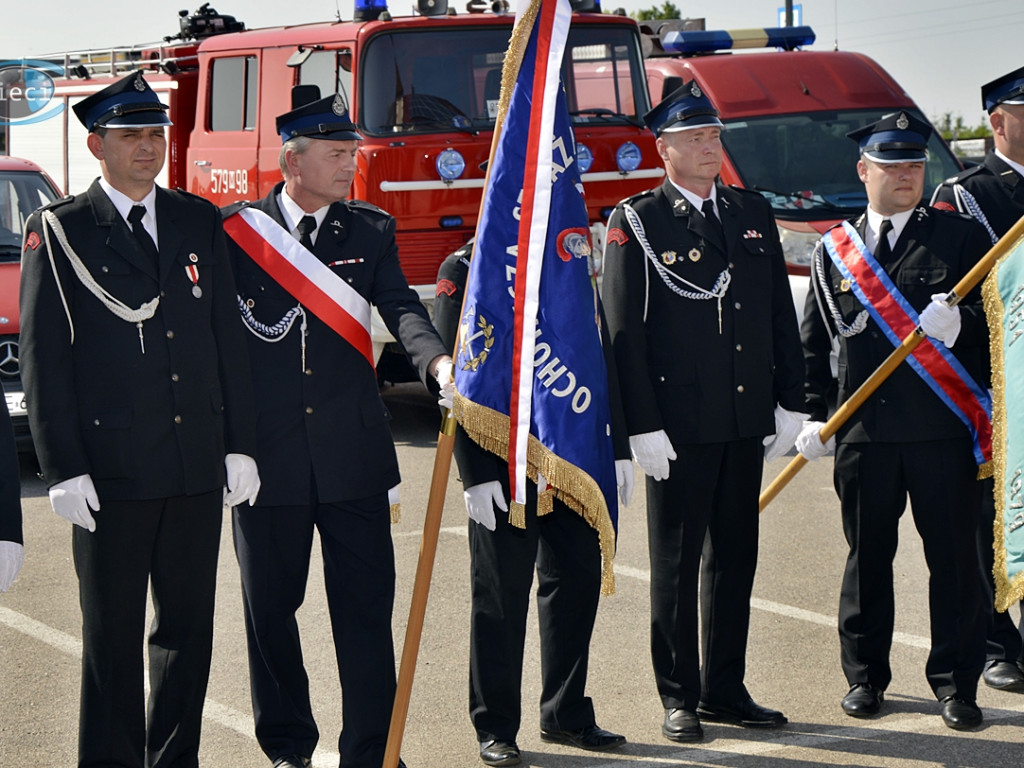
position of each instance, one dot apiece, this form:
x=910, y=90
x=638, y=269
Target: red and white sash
x=292, y=266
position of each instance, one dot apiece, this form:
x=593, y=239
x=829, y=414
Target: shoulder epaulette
x=57, y=203
x=636, y=197
x=230, y=210
x=365, y=206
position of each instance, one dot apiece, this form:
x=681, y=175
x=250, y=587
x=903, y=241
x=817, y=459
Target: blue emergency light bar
x=368, y=10
x=708, y=41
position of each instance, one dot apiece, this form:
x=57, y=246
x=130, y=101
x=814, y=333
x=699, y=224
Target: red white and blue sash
x=932, y=361
x=340, y=306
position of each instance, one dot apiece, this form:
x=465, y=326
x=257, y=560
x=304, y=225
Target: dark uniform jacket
x=327, y=421
x=933, y=252
x=676, y=370
x=476, y=465
x=144, y=426
x=10, y=482
x=998, y=189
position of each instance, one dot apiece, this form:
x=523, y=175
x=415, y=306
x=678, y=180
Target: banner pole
x=874, y=381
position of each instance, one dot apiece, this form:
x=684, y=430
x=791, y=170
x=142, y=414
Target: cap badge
x=695, y=90
x=338, y=106
x=668, y=258
x=694, y=255
x=138, y=84
x=901, y=122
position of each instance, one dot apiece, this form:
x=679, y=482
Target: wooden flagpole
x=845, y=411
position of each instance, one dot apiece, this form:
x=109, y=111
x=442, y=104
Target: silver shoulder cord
x=821, y=288
x=112, y=303
x=667, y=277
x=274, y=333
x=967, y=203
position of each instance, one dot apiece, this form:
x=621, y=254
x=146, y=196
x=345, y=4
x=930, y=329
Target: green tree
x=667, y=10
x=953, y=127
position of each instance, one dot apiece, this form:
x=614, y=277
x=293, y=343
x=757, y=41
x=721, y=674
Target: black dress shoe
x=292, y=761
x=960, y=714
x=591, y=737
x=681, y=725
x=498, y=752
x=863, y=700
x=747, y=713
x=1004, y=676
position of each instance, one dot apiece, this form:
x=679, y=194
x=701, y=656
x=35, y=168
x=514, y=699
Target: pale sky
x=941, y=51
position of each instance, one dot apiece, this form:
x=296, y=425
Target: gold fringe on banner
x=1007, y=592
x=574, y=487
x=396, y=513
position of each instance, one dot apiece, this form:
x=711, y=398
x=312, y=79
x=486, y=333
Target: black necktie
x=708, y=209
x=141, y=235
x=882, y=249
x=306, y=227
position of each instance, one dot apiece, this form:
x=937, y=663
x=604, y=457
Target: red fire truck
x=786, y=113
x=423, y=90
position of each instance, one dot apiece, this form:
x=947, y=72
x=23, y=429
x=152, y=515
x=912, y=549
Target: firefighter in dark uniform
x=564, y=551
x=324, y=440
x=706, y=342
x=993, y=193
x=141, y=406
x=12, y=544
x=903, y=441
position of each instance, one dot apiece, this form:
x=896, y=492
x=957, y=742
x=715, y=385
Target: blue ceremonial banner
x=530, y=377
x=1004, y=305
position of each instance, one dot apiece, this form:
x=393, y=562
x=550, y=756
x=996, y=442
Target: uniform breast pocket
x=757, y=245
x=926, y=279
x=355, y=272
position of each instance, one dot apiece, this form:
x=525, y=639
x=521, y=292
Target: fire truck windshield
x=440, y=80
x=805, y=166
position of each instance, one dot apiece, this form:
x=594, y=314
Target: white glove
x=446, y=382
x=809, y=442
x=787, y=428
x=481, y=501
x=393, y=496
x=624, y=480
x=653, y=451
x=243, y=479
x=12, y=555
x=72, y=500
x=939, y=321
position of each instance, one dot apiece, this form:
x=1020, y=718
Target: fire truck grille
x=421, y=252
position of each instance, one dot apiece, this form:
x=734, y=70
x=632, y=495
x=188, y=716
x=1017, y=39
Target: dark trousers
x=873, y=481
x=565, y=551
x=1003, y=637
x=273, y=547
x=703, y=520
x=171, y=544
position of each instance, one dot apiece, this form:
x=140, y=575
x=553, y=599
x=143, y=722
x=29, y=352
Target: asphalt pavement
x=792, y=662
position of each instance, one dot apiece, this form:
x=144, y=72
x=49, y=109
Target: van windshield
x=805, y=166
x=440, y=80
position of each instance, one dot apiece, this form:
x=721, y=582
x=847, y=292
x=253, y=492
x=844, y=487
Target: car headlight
x=584, y=157
x=628, y=157
x=798, y=247
x=450, y=164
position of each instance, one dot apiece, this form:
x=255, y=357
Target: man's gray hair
x=296, y=145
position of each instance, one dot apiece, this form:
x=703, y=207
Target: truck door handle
x=201, y=163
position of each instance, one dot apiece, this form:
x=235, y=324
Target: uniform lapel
x=729, y=210
x=333, y=232
x=170, y=227
x=693, y=217
x=119, y=237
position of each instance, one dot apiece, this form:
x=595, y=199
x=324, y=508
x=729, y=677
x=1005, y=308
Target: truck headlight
x=798, y=247
x=628, y=157
x=450, y=164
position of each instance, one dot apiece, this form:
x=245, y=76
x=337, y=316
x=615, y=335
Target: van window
x=330, y=71
x=805, y=163
x=444, y=79
x=233, y=94
x=21, y=192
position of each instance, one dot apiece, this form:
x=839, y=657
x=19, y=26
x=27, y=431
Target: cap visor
x=704, y=121
x=884, y=156
x=137, y=120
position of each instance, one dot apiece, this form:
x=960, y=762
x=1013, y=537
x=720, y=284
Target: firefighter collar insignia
x=680, y=203
x=844, y=284
x=694, y=255
x=901, y=122
x=668, y=258
x=695, y=90
x=338, y=106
